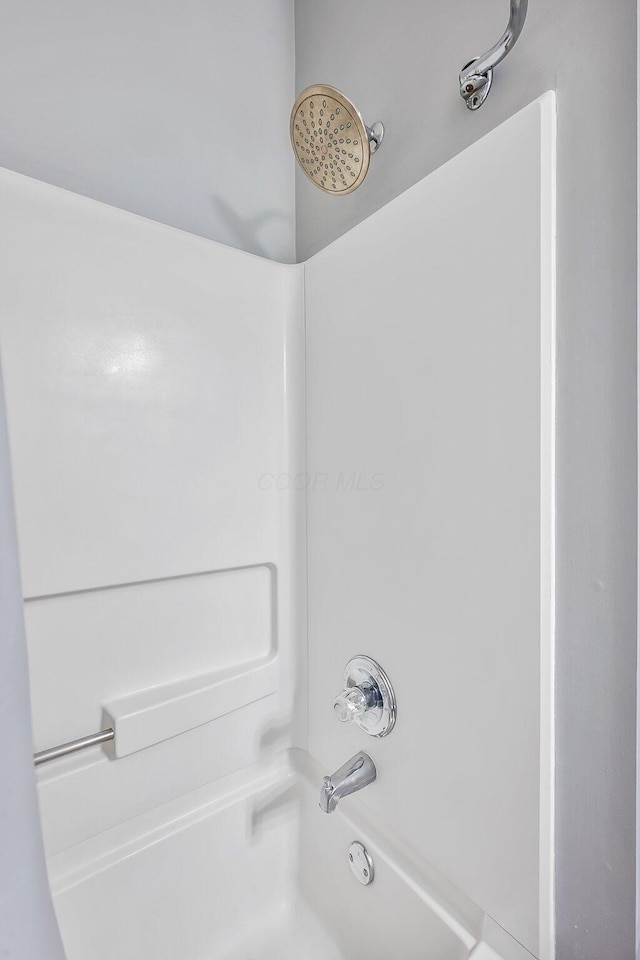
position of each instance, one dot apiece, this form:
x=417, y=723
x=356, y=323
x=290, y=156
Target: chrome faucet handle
x=367, y=699
x=350, y=704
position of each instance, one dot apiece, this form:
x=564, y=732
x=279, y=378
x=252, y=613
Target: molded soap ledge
x=149, y=716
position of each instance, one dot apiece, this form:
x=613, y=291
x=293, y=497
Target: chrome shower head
x=331, y=141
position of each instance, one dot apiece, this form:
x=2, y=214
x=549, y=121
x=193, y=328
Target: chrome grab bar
x=72, y=746
x=476, y=76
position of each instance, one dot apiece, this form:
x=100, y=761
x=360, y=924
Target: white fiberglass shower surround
x=231, y=477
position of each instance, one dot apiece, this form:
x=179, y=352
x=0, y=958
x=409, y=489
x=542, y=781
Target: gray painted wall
x=400, y=62
x=173, y=109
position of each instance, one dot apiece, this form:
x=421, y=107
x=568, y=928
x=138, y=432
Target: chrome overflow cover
x=368, y=698
x=361, y=863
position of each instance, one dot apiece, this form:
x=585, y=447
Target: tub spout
x=355, y=774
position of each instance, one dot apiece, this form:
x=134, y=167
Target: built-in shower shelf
x=158, y=713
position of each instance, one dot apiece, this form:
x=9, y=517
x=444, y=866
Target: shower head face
x=330, y=140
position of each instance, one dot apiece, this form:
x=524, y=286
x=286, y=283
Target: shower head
x=331, y=141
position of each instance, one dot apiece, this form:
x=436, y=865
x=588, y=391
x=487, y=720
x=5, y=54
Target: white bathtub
x=250, y=868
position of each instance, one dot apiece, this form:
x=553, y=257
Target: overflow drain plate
x=361, y=863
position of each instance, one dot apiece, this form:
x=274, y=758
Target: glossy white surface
x=430, y=415
x=248, y=868
x=145, y=393
x=144, y=636
x=153, y=378
x=193, y=880
x=141, y=720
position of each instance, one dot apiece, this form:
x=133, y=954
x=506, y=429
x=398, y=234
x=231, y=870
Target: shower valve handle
x=367, y=699
x=350, y=704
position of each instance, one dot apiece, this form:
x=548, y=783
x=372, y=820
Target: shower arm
x=476, y=76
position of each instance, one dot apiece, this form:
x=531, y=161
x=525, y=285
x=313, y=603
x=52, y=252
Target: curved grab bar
x=476, y=76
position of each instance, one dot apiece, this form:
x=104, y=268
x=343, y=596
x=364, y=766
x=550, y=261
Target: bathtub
x=250, y=868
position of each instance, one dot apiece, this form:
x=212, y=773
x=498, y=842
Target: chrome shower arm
x=477, y=75
x=506, y=42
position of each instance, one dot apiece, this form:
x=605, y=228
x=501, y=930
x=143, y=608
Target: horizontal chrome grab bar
x=72, y=746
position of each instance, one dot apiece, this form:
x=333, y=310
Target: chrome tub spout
x=355, y=774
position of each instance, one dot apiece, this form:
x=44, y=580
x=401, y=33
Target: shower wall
x=154, y=107
x=430, y=513
x=154, y=391
x=400, y=64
